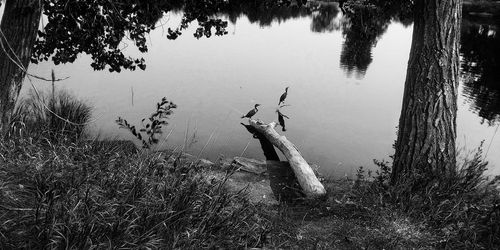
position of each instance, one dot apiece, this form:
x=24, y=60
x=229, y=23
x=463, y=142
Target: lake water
x=344, y=107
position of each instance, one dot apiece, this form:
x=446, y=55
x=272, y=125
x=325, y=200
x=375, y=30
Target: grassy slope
x=60, y=191
x=91, y=194
x=85, y=194
x=345, y=220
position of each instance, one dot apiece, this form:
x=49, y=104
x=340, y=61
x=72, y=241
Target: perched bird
x=251, y=112
x=281, y=120
x=283, y=96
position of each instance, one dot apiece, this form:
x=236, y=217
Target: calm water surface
x=341, y=117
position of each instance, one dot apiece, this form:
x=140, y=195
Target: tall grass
x=52, y=115
x=462, y=207
x=83, y=195
x=58, y=191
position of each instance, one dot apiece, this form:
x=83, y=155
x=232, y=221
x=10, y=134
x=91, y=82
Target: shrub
x=463, y=206
x=51, y=115
x=152, y=128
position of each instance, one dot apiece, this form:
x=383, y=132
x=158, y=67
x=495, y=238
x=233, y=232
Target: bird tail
x=242, y=117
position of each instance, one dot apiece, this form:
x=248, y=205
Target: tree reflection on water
x=363, y=25
x=480, y=53
x=323, y=18
x=361, y=28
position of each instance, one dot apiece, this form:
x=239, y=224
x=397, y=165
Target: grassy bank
x=58, y=189
x=90, y=194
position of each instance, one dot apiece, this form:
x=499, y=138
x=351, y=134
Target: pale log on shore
x=304, y=173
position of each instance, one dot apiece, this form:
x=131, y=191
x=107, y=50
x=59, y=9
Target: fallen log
x=282, y=180
x=304, y=173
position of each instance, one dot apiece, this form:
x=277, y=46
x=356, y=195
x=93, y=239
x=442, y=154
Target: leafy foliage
x=383, y=174
x=154, y=124
x=98, y=27
x=200, y=11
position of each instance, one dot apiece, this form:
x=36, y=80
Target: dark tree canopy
x=97, y=28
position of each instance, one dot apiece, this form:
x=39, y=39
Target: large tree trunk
x=19, y=27
x=427, y=126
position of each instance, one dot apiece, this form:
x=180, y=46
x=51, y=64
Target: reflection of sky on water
x=338, y=122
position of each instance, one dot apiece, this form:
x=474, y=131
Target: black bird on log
x=281, y=120
x=283, y=96
x=251, y=112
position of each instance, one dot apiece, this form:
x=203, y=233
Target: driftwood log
x=250, y=165
x=305, y=175
x=282, y=180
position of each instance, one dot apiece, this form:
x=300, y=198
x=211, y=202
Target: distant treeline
x=482, y=7
x=474, y=7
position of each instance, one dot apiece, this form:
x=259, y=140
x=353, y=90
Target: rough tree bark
x=427, y=125
x=305, y=175
x=19, y=28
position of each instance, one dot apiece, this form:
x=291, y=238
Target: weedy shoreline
x=86, y=194
x=60, y=190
